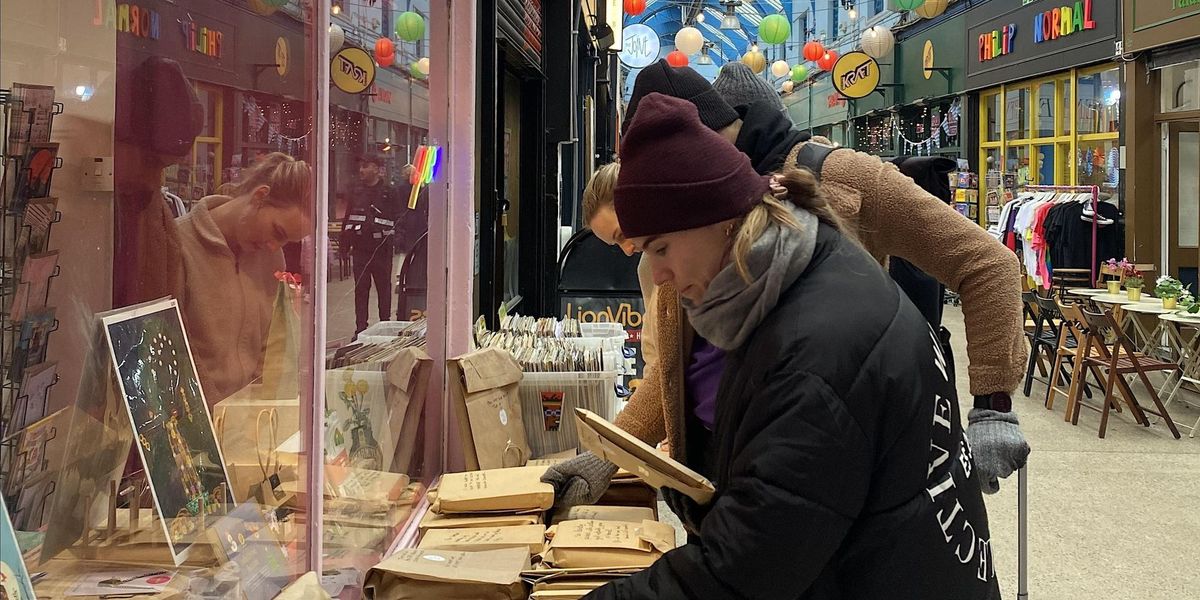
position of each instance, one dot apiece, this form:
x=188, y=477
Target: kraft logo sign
x=639, y=46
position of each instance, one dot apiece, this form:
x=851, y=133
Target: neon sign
x=425, y=167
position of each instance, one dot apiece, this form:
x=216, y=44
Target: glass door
x=1181, y=217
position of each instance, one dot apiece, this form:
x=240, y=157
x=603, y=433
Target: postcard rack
x=25, y=224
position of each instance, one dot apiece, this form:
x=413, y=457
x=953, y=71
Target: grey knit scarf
x=732, y=309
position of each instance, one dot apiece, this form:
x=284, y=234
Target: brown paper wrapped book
x=518, y=489
x=629, y=514
x=433, y=520
x=417, y=574
x=607, y=544
x=474, y=539
x=655, y=468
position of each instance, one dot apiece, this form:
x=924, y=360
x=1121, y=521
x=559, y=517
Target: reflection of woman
x=219, y=261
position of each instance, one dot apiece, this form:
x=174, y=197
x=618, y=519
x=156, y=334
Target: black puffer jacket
x=838, y=455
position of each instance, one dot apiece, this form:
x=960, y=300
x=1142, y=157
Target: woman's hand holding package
x=581, y=480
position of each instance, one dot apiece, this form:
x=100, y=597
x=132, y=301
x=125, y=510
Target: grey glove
x=997, y=444
x=581, y=480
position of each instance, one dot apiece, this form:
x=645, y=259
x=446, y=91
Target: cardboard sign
x=442, y=575
x=607, y=544
x=474, y=539
x=655, y=468
x=518, y=489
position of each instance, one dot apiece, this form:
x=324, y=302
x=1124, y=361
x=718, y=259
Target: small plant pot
x=1135, y=294
x=1170, y=303
x=1114, y=287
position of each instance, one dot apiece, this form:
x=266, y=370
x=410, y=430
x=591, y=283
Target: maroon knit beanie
x=677, y=174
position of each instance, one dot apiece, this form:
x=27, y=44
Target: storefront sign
x=855, y=75
x=639, y=46
x=282, y=56
x=127, y=18
x=1063, y=21
x=927, y=60
x=1152, y=23
x=996, y=43
x=202, y=39
x=352, y=70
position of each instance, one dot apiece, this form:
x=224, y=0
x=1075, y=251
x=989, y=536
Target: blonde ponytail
x=288, y=178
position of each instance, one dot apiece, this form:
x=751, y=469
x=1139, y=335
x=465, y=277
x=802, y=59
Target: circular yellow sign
x=855, y=75
x=282, y=53
x=352, y=70
x=927, y=59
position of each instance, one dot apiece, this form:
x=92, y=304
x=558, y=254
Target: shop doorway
x=1181, y=212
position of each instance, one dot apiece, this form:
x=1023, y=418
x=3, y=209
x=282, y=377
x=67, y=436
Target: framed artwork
x=31, y=345
x=34, y=287
x=172, y=428
x=14, y=578
x=33, y=178
x=33, y=109
x=357, y=419
x=34, y=237
x=31, y=399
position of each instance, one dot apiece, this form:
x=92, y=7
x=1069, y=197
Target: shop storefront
x=179, y=413
x=1162, y=129
x=1049, y=103
x=931, y=69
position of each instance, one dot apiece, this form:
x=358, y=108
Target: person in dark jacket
x=834, y=437
x=368, y=235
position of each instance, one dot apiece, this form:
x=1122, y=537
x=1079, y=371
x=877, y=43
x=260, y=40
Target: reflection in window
x=1098, y=163
x=1098, y=106
x=992, y=109
x=1016, y=113
x=1044, y=115
x=1179, y=87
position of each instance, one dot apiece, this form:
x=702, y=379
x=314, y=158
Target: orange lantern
x=635, y=7
x=827, y=61
x=675, y=58
x=813, y=51
x=385, y=60
x=384, y=47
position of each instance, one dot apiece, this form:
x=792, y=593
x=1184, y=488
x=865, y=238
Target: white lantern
x=780, y=68
x=423, y=66
x=788, y=86
x=689, y=40
x=337, y=37
x=931, y=8
x=878, y=41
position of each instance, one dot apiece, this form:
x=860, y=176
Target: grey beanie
x=739, y=86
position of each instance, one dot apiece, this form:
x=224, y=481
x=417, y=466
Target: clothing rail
x=1094, y=190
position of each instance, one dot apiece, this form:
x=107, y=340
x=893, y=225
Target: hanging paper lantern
x=788, y=86
x=415, y=70
x=799, y=73
x=385, y=60
x=635, y=7
x=423, y=66
x=908, y=4
x=755, y=60
x=410, y=26
x=337, y=37
x=780, y=68
x=827, y=61
x=774, y=29
x=675, y=58
x=878, y=41
x=384, y=47
x=813, y=51
x=689, y=40
x=931, y=8
x=266, y=8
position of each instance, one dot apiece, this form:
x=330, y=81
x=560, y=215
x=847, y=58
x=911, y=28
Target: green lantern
x=799, y=73
x=774, y=29
x=415, y=70
x=410, y=26
x=908, y=4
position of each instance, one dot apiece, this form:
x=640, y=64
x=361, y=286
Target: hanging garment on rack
x=1070, y=235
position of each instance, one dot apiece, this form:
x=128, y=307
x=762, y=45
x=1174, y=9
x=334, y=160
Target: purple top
x=701, y=379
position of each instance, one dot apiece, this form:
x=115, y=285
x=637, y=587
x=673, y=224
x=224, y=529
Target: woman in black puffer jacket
x=834, y=437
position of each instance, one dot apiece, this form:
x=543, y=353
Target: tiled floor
x=1117, y=518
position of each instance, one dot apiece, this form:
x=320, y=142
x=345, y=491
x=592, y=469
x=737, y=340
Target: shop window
x=1044, y=113
x=1064, y=116
x=1098, y=105
x=1016, y=160
x=1098, y=163
x=1062, y=157
x=1043, y=167
x=1179, y=87
x=1016, y=113
x=991, y=112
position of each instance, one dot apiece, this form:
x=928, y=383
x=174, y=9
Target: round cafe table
x=1187, y=348
x=1086, y=292
x=1148, y=340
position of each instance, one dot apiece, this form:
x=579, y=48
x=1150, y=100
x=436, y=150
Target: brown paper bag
x=408, y=382
x=518, y=489
x=628, y=514
x=483, y=391
x=474, y=539
x=417, y=574
x=607, y=544
x=307, y=587
x=433, y=520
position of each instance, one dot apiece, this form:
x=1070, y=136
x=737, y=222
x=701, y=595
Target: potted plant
x=1169, y=289
x=1116, y=267
x=1133, y=284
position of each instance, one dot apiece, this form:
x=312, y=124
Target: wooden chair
x=1072, y=333
x=1062, y=279
x=1118, y=360
x=1044, y=339
x=1029, y=309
